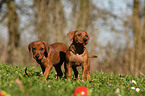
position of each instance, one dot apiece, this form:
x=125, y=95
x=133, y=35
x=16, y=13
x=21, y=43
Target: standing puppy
x=77, y=54
x=48, y=56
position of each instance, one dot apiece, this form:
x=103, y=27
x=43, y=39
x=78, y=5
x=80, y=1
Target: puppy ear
x=46, y=48
x=70, y=35
x=30, y=47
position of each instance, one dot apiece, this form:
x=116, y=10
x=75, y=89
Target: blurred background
x=116, y=29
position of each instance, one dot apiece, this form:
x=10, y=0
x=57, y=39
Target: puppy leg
x=47, y=71
x=88, y=74
x=58, y=70
x=84, y=72
x=43, y=68
x=75, y=71
x=68, y=70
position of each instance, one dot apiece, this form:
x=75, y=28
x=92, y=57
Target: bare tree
x=42, y=22
x=143, y=39
x=51, y=20
x=136, y=56
x=13, y=30
x=58, y=22
x=83, y=14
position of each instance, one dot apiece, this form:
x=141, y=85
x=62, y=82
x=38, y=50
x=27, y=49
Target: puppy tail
x=93, y=56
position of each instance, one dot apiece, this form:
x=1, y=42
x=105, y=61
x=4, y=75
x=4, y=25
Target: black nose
x=85, y=40
x=37, y=56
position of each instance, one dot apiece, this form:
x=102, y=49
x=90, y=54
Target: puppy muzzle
x=37, y=56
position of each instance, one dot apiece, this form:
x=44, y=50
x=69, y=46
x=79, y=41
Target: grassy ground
x=102, y=84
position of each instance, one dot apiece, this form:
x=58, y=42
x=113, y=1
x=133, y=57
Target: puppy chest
x=76, y=59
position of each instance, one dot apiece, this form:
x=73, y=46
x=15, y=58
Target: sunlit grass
x=101, y=84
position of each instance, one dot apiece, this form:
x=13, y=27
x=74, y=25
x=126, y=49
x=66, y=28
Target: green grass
x=102, y=84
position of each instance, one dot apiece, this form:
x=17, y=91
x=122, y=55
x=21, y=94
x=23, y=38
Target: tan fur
x=77, y=55
x=48, y=56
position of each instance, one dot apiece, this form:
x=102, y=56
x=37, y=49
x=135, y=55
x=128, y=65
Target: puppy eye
x=86, y=35
x=34, y=49
x=79, y=34
x=41, y=49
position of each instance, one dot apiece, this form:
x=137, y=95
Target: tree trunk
x=137, y=38
x=58, y=20
x=42, y=22
x=83, y=14
x=51, y=20
x=143, y=41
x=13, y=31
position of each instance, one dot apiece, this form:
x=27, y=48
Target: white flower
x=137, y=89
x=122, y=78
x=41, y=73
x=119, y=94
x=16, y=72
x=132, y=87
x=133, y=81
x=49, y=86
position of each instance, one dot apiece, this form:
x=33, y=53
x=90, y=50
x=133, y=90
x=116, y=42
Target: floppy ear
x=46, y=48
x=30, y=47
x=70, y=35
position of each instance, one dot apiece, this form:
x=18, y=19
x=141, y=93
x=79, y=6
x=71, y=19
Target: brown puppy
x=77, y=54
x=48, y=56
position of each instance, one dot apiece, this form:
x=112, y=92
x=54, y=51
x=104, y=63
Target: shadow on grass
x=31, y=74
